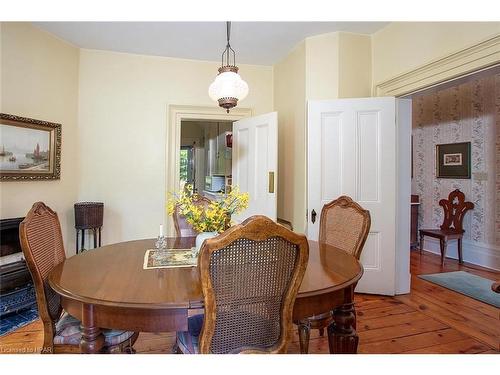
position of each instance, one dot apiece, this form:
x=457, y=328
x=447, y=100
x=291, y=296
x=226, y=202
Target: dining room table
x=108, y=287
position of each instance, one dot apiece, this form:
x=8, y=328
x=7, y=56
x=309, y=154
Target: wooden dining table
x=107, y=287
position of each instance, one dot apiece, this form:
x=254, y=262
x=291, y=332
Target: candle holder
x=161, y=243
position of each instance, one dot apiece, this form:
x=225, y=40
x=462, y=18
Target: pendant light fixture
x=228, y=87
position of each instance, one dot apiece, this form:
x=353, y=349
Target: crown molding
x=474, y=58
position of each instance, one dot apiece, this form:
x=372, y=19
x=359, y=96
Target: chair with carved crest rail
x=250, y=276
x=345, y=225
x=182, y=227
x=454, y=208
x=42, y=245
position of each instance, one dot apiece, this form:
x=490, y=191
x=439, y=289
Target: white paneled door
x=361, y=148
x=255, y=163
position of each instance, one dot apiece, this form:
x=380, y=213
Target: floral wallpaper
x=466, y=112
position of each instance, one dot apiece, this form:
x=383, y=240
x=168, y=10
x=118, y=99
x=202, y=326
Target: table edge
x=189, y=304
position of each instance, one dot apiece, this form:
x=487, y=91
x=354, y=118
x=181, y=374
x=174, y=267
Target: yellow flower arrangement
x=216, y=217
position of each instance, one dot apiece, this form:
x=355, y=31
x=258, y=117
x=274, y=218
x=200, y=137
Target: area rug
x=12, y=322
x=466, y=283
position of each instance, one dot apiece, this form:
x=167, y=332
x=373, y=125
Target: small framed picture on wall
x=453, y=160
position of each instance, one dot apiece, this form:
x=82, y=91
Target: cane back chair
x=250, y=277
x=454, y=209
x=344, y=224
x=42, y=245
x=182, y=227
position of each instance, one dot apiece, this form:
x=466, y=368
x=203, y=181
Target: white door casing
x=353, y=150
x=177, y=114
x=255, y=163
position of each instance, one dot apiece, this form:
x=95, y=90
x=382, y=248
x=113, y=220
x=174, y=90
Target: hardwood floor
x=430, y=319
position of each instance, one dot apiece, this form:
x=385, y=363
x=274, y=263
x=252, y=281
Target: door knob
x=313, y=216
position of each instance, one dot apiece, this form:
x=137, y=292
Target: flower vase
x=202, y=237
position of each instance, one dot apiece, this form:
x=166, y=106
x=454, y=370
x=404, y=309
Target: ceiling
x=260, y=43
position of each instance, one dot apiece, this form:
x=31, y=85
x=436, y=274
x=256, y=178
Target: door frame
x=482, y=55
x=175, y=115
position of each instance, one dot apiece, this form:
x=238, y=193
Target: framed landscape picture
x=29, y=149
x=453, y=160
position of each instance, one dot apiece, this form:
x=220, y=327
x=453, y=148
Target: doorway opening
x=460, y=115
x=205, y=156
x=176, y=115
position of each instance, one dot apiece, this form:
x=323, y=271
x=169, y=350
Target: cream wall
x=322, y=67
x=39, y=79
x=290, y=103
x=403, y=46
x=355, y=66
x=123, y=102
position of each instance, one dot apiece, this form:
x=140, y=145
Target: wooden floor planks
x=430, y=319
x=394, y=308
x=413, y=342
x=465, y=346
x=400, y=330
x=383, y=322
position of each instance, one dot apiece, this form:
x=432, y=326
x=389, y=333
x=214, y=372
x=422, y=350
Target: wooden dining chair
x=182, y=227
x=42, y=245
x=345, y=225
x=250, y=276
x=454, y=209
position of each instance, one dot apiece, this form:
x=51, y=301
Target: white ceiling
x=261, y=43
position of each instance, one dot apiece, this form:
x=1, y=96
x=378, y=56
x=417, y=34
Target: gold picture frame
x=29, y=149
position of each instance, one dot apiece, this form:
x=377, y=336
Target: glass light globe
x=228, y=85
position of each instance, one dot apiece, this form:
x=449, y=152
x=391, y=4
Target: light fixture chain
x=228, y=45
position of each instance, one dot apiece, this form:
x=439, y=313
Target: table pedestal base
x=342, y=337
x=92, y=340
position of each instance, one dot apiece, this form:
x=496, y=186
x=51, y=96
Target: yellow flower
x=216, y=217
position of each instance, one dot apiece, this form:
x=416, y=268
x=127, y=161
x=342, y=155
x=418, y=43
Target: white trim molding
x=176, y=114
x=469, y=60
x=477, y=253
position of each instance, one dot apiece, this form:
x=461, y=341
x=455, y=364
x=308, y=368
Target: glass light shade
x=228, y=85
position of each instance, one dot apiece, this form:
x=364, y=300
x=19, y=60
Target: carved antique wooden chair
x=454, y=208
x=344, y=224
x=250, y=276
x=182, y=227
x=42, y=245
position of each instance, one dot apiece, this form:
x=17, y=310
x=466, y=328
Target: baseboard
x=473, y=252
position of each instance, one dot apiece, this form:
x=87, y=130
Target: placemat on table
x=169, y=258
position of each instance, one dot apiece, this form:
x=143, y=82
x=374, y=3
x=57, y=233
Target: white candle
x=161, y=230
